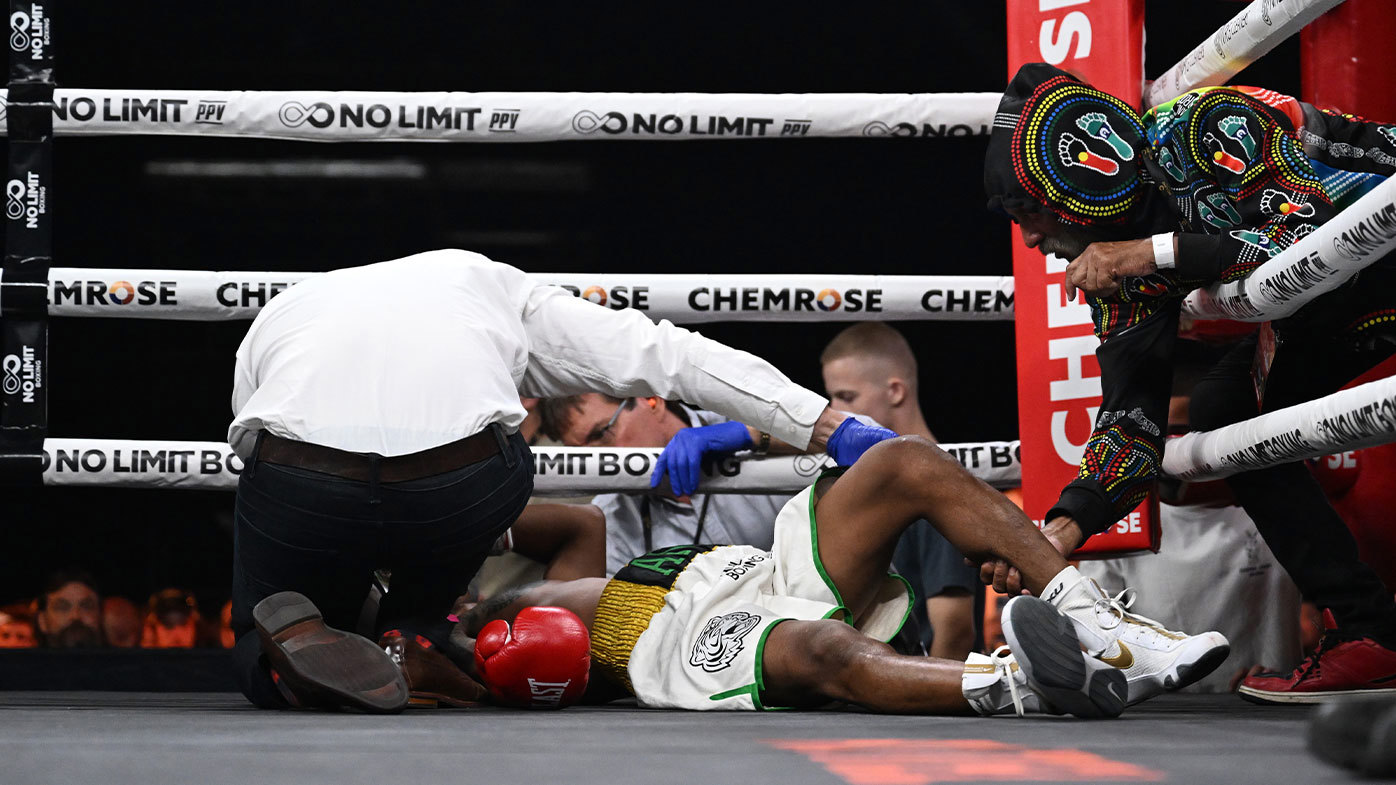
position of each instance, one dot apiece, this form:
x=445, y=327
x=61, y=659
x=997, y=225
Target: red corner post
x=1348, y=59
x=1102, y=42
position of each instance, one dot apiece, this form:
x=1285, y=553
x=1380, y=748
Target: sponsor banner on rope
x=1320, y=262
x=559, y=470
x=23, y=368
x=1257, y=29
x=1361, y=416
x=163, y=294
x=683, y=299
x=1059, y=388
x=26, y=200
x=31, y=39
x=692, y=299
x=485, y=117
x=141, y=464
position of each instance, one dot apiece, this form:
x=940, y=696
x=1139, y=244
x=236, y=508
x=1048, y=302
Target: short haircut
x=876, y=340
x=57, y=580
x=555, y=414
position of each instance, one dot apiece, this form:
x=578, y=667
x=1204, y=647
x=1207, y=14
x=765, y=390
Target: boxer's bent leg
x=898, y=481
x=437, y=531
x=807, y=663
x=1289, y=508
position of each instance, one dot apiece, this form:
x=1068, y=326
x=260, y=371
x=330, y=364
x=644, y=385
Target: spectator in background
x=171, y=621
x=869, y=369
x=121, y=623
x=637, y=523
x=68, y=611
x=17, y=628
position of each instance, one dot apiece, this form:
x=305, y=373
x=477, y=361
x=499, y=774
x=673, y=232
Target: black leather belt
x=396, y=468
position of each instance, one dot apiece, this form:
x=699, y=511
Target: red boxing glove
x=541, y=663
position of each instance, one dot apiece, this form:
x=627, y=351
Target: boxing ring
x=1176, y=738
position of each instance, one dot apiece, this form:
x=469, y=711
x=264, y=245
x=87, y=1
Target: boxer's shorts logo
x=11, y=384
x=19, y=31
x=721, y=640
x=294, y=114
x=14, y=200
x=589, y=122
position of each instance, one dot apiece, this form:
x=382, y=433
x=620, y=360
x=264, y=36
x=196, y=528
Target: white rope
x=560, y=470
x=1257, y=29
x=684, y=299
x=1318, y=263
x=1362, y=416
x=322, y=116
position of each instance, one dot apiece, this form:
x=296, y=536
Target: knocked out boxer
x=734, y=627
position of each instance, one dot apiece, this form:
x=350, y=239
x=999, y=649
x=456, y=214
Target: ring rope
x=1362, y=416
x=1318, y=263
x=559, y=470
x=356, y=116
x=196, y=295
x=1245, y=38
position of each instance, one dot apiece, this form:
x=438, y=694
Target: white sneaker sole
x=1199, y=657
x=1045, y=646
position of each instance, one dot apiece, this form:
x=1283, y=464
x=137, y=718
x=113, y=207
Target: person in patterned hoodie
x=1202, y=189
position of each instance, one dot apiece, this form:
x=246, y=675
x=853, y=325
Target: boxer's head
x=1066, y=162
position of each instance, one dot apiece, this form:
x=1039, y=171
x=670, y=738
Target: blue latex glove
x=682, y=459
x=852, y=438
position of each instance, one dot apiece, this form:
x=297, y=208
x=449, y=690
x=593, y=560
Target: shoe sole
x=1045, y=645
x=1181, y=674
x=323, y=666
x=1275, y=697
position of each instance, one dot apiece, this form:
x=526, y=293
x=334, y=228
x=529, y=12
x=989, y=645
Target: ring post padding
x=1245, y=38
x=324, y=116
x=560, y=470
x=28, y=245
x=680, y=298
x=1361, y=416
x=1318, y=263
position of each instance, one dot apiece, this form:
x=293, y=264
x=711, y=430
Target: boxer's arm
x=569, y=538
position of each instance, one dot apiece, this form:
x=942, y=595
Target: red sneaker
x=1339, y=666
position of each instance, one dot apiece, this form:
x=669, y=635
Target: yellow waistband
x=622, y=614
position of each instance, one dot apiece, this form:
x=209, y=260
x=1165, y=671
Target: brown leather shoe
x=432, y=679
x=323, y=667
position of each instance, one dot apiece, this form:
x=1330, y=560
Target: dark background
x=907, y=206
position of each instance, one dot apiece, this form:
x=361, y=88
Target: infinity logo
x=587, y=122
x=11, y=385
x=879, y=128
x=808, y=465
x=294, y=114
x=14, y=200
x=19, y=31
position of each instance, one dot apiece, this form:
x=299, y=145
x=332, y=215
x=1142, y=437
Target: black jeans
x=1309, y=539
x=323, y=536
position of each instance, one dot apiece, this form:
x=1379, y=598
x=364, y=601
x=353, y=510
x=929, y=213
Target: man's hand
x=829, y=421
x=1064, y=534
x=682, y=459
x=852, y=438
x=1100, y=268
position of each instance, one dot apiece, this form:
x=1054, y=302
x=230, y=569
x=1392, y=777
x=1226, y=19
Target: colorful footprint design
x=1221, y=157
x=1258, y=240
x=1236, y=128
x=1095, y=124
x=1170, y=166
x=1217, y=210
x=1074, y=152
x=1278, y=203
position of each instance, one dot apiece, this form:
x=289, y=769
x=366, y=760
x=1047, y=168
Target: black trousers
x=323, y=536
x=1316, y=356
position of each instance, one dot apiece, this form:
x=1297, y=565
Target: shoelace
x=1003, y=665
x=1118, y=607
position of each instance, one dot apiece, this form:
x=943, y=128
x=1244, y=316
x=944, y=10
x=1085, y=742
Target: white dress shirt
x=402, y=356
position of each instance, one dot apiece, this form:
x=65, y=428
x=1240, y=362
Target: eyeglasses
x=604, y=435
